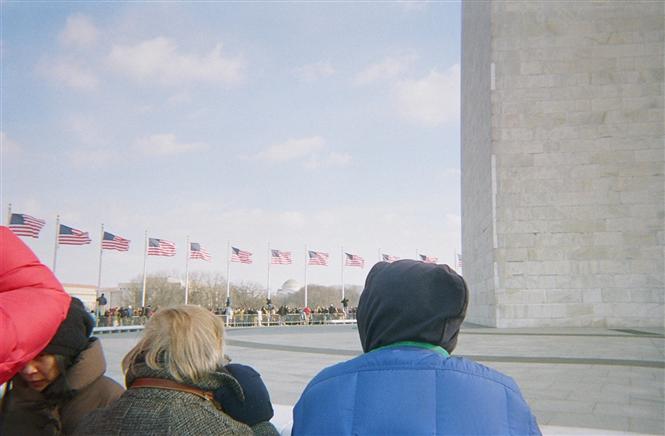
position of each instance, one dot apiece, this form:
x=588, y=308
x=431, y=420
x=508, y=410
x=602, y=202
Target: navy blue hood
x=409, y=300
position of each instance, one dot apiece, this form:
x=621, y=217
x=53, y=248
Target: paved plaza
x=575, y=380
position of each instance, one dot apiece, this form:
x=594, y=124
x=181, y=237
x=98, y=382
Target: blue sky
x=320, y=124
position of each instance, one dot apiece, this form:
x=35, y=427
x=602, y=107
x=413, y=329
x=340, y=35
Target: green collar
x=435, y=348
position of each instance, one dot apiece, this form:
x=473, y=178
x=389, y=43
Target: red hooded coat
x=33, y=303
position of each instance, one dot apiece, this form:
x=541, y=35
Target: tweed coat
x=155, y=411
x=58, y=409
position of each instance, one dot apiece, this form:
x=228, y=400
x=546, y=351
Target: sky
x=327, y=125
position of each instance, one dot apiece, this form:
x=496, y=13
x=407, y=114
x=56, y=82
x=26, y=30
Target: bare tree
x=159, y=291
x=209, y=290
x=319, y=296
x=248, y=295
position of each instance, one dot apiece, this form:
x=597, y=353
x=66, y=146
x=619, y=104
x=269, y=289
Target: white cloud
x=159, y=60
x=327, y=219
x=179, y=99
x=92, y=158
x=69, y=73
x=339, y=159
x=8, y=145
x=332, y=159
x=387, y=69
x=166, y=144
x=292, y=219
x=313, y=162
x=313, y=72
x=292, y=149
x=79, y=31
x=84, y=128
x=311, y=151
x=432, y=100
x=198, y=114
x=144, y=109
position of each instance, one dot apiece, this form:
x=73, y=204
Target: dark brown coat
x=59, y=409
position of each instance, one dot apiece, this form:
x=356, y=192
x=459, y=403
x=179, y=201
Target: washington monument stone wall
x=563, y=199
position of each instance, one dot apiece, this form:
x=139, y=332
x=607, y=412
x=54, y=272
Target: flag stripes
x=113, y=242
x=238, y=255
x=317, y=258
x=389, y=258
x=25, y=225
x=71, y=236
x=278, y=257
x=160, y=247
x=196, y=251
x=428, y=259
x=353, y=260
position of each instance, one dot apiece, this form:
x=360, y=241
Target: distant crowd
x=234, y=316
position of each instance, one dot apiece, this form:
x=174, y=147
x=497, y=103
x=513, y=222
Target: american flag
x=113, y=242
x=71, y=236
x=196, y=251
x=25, y=225
x=459, y=261
x=428, y=259
x=160, y=247
x=389, y=258
x=353, y=260
x=317, y=258
x=237, y=255
x=280, y=257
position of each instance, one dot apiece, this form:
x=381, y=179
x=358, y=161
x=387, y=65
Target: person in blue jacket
x=406, y=382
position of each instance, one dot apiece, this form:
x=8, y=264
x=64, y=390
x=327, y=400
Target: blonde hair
x=185, y=341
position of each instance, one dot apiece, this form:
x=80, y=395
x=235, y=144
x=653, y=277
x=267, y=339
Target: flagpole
x=380, y=256
x=306, y=262
x=57, y=233
x=269, y=261
x=343, y=261
x=187, y=255
x=9, y=214
x=99, y=273
x=228, y=270
x=145, y=264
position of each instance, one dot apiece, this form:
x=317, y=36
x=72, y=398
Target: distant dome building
x=290, y=286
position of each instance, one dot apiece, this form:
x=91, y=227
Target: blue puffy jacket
x=412, y=389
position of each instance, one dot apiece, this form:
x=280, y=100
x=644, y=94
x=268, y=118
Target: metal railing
x=254, y=320
x=119, y=321
x=244, y=320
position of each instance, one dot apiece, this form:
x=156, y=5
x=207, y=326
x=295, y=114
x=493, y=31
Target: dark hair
x=64, y=362
x=59, y=389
